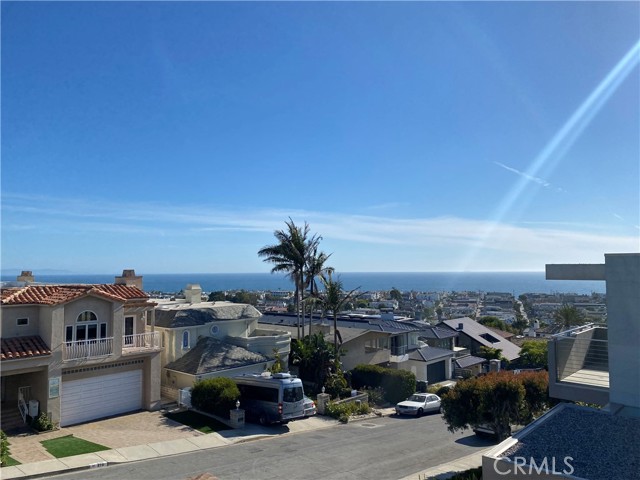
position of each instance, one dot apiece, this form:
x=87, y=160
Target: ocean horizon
x=512, y=282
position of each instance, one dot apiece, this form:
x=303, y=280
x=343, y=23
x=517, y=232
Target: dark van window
x=292, y=394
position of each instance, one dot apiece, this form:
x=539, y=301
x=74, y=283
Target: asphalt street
x=379, y=448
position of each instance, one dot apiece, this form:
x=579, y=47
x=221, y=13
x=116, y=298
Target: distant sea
x=515, y=283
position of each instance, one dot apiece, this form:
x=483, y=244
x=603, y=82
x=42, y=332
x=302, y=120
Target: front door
x=129, y=330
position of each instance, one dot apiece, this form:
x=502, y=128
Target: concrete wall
x=10, y=315
x=623, y=320
x=356, y=354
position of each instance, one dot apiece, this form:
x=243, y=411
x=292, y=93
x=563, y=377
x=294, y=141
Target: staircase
x=10, y=419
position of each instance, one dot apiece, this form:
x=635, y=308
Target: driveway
x=123, y=431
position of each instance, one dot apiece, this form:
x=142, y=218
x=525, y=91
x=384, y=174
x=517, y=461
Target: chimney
x=460, y=327
x=193, y=293
x=130, y=279
x=26, y=276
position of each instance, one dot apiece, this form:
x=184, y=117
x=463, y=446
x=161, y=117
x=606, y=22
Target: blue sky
x=172, y=137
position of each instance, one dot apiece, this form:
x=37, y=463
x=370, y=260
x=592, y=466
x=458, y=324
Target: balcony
x=87, y=349
x=140, y=342
x=579, y=365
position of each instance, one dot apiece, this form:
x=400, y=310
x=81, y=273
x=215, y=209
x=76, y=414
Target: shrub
x=215, y=395
x=42, y=423
x=442, y=391
x=348, y=409
x=4, y=448
x=376, y=396
x=397, y=384
x=335, y=384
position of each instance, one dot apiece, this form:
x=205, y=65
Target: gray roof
x=600, y=445
x=484, y=336
x=188, y=317
x=468, y=361
x=427, y=354
x=434, y=331
x=210, y=355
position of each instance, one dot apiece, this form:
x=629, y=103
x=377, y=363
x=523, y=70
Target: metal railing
x=582, y=355
x=146, y=340
x=24, y=395
x=84, y=349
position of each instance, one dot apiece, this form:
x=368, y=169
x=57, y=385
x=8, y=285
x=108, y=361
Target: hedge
x=398, y=385
x=215, y=395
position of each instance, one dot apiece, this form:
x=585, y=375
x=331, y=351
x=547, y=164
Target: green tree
x=490, y=353
x=315, y=269
x=290, y=256
x=395, y=294
x=217, y=296
x=534, y=354
x=568, y=316
x=497, y=400
x=333, y=299
x=495, y=322
x=313, y=357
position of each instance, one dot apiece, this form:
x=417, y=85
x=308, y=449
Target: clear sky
x=176, y=137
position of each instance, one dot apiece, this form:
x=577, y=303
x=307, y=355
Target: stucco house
x=78, y=352
x=213, y=339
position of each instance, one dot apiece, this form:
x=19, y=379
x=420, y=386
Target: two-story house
x=78, y=352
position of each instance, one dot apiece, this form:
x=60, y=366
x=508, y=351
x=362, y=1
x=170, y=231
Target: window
x=87, y=316
x=185, y=339
x=21, y=322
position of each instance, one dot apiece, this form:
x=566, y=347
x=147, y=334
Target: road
x=379, y=448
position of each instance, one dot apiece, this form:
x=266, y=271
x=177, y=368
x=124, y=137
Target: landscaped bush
x=4, y=448
x=215, y=395
x=335, y=385
x=442, y=391
x=338, y=410
x=376, y=396
x=397, y=384
x=472, y=474
x=42, y=423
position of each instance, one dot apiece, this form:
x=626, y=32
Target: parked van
x=268, y=398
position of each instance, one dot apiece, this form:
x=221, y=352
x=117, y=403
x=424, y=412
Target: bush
x=42, y=423
x=348, y=409
x=215, y=395
x=472, y=474
x=442, y=391
x=376, y=396
x=335, y=385
x=4, y=448
x=397, y=384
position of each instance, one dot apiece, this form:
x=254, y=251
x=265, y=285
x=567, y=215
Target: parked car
x=486, y=430
x=309, y=407
x=419, y=403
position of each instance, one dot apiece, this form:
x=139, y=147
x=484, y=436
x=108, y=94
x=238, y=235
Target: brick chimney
x=26, y=276
x=129, y=278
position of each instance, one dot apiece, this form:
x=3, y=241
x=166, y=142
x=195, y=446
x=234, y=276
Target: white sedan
x=419, y=403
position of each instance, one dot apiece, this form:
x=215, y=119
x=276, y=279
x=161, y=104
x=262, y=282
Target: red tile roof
x=23, y=347
x=58, y=294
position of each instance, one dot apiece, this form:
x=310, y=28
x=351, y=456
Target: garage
x=100, y=396
x=436, y=372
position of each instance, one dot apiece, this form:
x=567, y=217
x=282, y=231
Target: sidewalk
x=152, y=425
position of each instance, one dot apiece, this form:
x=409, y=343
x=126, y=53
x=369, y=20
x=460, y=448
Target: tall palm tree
x=315, y=268
x=290, y=255
x=334, y=299
x=569, y=316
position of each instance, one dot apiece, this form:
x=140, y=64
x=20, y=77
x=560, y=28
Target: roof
x=482, y=335
x=23, y=347
x=428, y=354
x=193, y=315
x=468, y=361
x=211, y=355
x=434, y=331
x=599, y=445
x=58, y=294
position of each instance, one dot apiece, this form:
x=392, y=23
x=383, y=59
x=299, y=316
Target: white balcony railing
x=85, y=349
x=141, y=341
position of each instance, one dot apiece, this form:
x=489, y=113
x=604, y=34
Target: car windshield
x=417, y=398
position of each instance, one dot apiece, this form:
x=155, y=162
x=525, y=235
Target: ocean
x=512, y=282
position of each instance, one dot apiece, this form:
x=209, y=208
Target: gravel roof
x=602, y=446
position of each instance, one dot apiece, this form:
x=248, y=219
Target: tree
x=569, y=316
x=496, y=400
x=334, y=300
x=290, y=255
x=534, y=354
x=395, y=294
x=314, y=358
x=217, y=296
x=315, y=268
x=495, y=322
x=490, y=353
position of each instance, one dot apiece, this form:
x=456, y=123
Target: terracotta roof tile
x=57, y=294
x=23, y=347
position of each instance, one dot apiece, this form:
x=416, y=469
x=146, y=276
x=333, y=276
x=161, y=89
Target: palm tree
x=290, y=255
x=334, y=299
x=569, y=316
x=315, y=268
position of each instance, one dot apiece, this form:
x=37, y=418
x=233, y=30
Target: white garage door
x=101, y=396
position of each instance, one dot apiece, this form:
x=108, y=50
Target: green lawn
x=196, y=421
x=69, y=445
x=11, y=462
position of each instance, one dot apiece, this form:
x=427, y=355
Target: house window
x=87, y=316
x=185, y=339
x=86, y=328
x=21, y=322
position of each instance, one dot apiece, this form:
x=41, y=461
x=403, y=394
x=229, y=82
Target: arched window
x=185, y=339
x=87, y=316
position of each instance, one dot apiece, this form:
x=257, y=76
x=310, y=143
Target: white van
x=268, y=398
